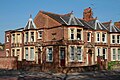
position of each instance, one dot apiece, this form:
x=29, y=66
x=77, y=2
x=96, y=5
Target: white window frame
x=7, y=39
x=104, y=41
x=79, y=33
x=26, y=36
x=118, y=54
x=118, y=39
x=98, y=38
x=47, y=54
x=113, y=54
x=32, y=58
x=72, y=33
x=72, y=54
x=40, y=34
x=32, y=37
x=81, y=53
x=89, y=36
x=113, y=39
x=27, y=58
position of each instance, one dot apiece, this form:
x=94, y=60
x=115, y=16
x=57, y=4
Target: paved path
x=95, y=75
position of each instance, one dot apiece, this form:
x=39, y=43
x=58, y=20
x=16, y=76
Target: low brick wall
x=8, y=63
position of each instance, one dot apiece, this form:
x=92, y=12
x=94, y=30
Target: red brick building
x=57, y=40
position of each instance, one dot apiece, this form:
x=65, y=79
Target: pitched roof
x=30, y=24
x=111, y=27
x=97, y=25
x=68, y=19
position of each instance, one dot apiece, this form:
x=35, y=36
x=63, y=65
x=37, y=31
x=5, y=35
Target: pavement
x=94, y=75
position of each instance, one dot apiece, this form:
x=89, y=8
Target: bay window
x=113, y=38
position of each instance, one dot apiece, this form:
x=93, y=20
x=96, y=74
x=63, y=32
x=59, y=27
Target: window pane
x=98, y=36
x=72, y=53
x=31, y=53
x=98, y=51
x=104, y=53
x=79, y=55
x=113, y=38
x=26, y=53
x=26, y=37
x=114, y=54
x=78, y=34
x=118, y=54
x=49, y=54
x=88, y=36
x=72, y=33
x=32, y=36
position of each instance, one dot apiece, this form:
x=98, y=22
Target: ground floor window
x=26, y=53
x=32, y=53
x=75, y=53
x=118, y=54
x=72, y=53
x=114, y=54
x=79, y=54
x=49, y=54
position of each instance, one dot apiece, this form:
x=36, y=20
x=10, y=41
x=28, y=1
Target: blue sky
x=15, y=13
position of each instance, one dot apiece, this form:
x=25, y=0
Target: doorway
x=62, y=56
x=89, y=57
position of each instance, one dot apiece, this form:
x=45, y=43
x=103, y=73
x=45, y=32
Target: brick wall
x=8, y=63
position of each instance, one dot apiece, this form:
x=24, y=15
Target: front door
x=89, y=56
x=62, y=56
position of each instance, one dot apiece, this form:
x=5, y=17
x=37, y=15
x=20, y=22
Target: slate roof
x=97, y=25
x=30, y=24
x=111, y=27
x=68, y=19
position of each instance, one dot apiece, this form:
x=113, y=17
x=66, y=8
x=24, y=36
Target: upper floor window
x=113, y=38
x=88, y=36
x=98, y=37
x=32, y=36
x=26, y=36
x=78, y=34
x=18, y=38
x=7, y=39
x=72, y=34
x=104, y=37
x=13, y=38
x=49, y=54
x=40, y=34
x=118, y=38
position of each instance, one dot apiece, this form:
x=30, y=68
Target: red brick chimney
x=88, y=14
x=117, y=24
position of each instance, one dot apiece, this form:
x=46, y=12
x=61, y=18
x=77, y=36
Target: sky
x=15, y=13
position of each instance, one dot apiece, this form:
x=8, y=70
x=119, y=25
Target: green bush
x=111, y=64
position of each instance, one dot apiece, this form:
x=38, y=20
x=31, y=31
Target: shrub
x=111, y=64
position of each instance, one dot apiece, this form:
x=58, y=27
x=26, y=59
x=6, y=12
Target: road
x=94, y=75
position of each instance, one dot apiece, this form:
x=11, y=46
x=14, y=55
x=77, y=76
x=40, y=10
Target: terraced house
x=55, y=40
